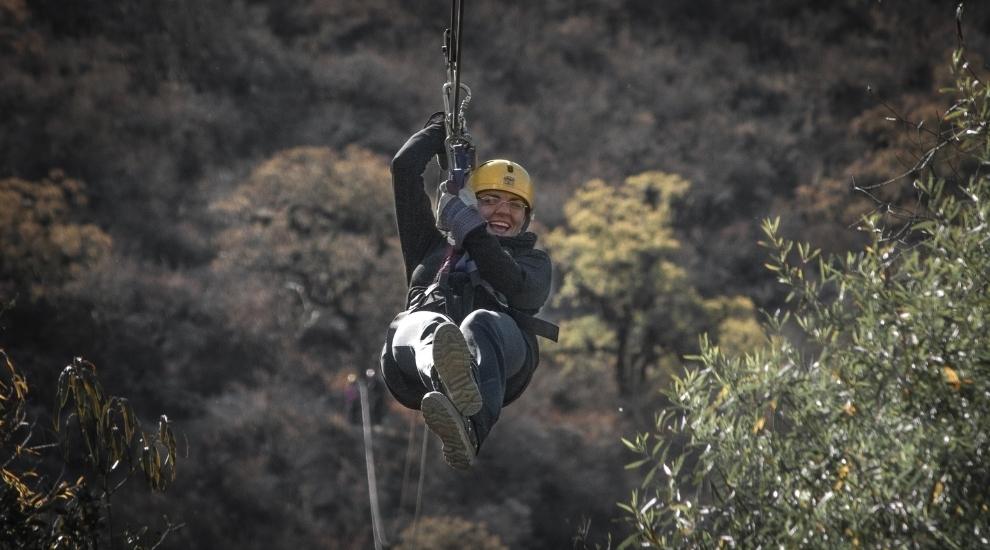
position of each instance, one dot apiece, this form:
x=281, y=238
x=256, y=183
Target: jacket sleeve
x=523, y=279
x=413, y=211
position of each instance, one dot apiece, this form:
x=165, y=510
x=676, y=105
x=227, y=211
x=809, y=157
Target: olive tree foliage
x=73, y=510
x=628, y=301
x=872, y=427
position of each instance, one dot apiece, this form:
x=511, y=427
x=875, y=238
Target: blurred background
x=195, y=196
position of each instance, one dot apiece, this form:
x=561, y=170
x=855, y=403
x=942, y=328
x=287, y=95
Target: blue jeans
x=495, y=342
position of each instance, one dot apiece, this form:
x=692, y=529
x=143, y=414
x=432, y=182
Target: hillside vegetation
x=194, y=196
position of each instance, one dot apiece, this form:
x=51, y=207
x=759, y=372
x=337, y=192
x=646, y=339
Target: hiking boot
x=455, y=432
x=454, y=366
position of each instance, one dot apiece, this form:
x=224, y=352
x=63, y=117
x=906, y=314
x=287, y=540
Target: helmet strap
x=529, y=218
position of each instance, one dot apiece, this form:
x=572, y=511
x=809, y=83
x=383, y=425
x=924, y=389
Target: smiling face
x=504, y=211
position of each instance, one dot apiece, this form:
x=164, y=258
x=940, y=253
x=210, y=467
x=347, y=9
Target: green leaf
x=636, y=464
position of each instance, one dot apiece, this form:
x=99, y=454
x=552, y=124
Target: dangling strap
x=453, y=305
x=446, y=265
x=535, y=325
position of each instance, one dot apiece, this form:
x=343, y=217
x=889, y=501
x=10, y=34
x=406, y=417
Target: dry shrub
x=449, y=533
x=42, y=243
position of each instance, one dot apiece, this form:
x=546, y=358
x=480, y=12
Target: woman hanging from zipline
x=465, y=346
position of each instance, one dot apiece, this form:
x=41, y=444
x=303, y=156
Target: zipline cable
x=457, y=17
x=460, y=151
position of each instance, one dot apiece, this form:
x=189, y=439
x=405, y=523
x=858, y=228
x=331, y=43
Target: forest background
x=196, y=199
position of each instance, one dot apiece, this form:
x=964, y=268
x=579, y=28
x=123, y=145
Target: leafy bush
x=870, y=428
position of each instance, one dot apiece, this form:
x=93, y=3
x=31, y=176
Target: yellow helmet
x=502, y=175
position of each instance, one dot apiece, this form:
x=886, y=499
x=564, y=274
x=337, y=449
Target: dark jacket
x=510, y=265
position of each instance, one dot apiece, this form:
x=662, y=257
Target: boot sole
x=443, y=420
x=453, y=360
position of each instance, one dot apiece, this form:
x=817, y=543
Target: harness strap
x=527, y=322
x=446, y=265
x=455, y=305
x=535, y=325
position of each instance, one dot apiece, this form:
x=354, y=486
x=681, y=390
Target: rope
x=377, y=525
x=410, y=445
x=369, y=460
x=419, y=489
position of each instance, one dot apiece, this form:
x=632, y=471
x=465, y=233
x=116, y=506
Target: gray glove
x=458, y=214
x=465, y=195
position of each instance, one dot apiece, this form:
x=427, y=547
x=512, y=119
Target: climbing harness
x=454, y=289
x=461, y=155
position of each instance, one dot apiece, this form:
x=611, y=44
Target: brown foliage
x=449, y=533
x=41, y=247
x=309, y=250
x=162, y=108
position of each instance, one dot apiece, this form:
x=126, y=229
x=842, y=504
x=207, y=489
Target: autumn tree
x=310, y=238
x=867, y=429
x=629, y=301
x=43, y=242
x=307, y=269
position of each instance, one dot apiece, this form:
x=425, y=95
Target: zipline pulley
x=460, y=151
